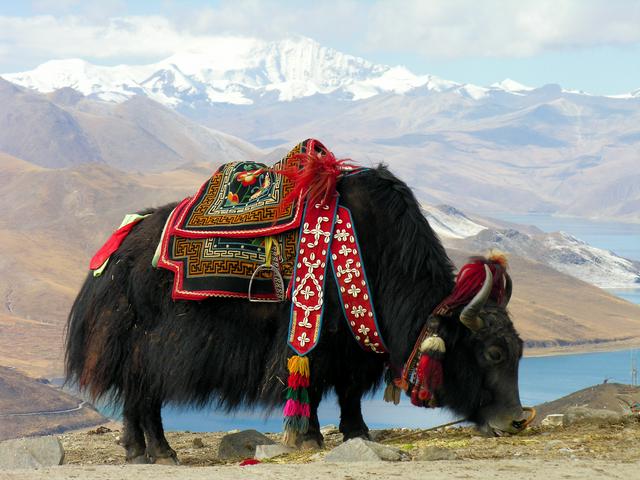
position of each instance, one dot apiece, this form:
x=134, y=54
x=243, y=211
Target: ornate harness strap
x=355, y=296
x=327, y=235
x=309, y=276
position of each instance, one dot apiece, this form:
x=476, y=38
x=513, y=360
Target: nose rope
x=532, y=416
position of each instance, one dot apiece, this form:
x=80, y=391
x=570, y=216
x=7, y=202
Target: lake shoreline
x=603, y=347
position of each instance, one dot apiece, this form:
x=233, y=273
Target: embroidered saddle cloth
x=215, y=240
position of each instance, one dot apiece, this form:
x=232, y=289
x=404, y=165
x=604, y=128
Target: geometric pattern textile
x=215, y=240
x=223, y=266
x=244, y=199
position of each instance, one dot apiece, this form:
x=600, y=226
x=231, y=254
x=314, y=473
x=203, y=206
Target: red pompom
x=317, y=176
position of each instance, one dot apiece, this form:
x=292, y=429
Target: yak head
x=481, y=364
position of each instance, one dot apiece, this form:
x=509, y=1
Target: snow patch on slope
x=449, y=222
x=594, y=265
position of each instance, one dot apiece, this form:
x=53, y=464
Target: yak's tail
x=96, y=341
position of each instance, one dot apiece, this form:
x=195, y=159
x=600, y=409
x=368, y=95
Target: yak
x=128, y=340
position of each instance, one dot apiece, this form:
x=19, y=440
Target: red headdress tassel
x=297, y=410
x=316, y=178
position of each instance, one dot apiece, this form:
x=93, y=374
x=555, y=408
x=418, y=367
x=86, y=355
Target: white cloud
x=431, y=28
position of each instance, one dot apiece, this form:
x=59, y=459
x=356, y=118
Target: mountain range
x=496, y=149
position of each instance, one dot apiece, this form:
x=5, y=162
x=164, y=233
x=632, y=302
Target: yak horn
x=469, y=315
x=508, y=288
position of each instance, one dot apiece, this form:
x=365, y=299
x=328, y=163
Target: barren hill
x=65, y=129
x=32, y=407
x=613, y=397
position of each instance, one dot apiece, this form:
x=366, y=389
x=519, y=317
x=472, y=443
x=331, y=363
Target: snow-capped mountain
x=241, y=71
x=558, y=250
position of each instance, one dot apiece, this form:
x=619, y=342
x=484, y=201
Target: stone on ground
x=329, y=429
x=35, y=452
x=241, y=445
x=554, y=420
x=430, y=454
x=359, y=450
x=269, y=451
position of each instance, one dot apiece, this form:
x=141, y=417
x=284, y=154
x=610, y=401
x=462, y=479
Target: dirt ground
x=589, y=450
x=619, y=442
x=521, y=469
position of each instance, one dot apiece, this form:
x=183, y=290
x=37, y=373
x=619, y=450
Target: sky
x=588, y=45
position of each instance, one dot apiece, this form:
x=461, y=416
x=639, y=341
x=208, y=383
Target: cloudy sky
x=591, y=45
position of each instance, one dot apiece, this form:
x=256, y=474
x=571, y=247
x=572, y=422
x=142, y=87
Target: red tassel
x=430, y=378
x=316, y=177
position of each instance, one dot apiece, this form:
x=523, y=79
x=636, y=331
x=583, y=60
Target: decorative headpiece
x=478, y=281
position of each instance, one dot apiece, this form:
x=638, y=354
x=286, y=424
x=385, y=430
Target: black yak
x=129, y=341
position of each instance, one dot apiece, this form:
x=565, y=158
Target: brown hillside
x=614, y=397
x=30, y=407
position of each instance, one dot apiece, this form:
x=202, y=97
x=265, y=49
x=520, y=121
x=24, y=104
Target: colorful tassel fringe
x=297, y=410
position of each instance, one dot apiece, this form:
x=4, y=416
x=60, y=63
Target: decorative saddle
x=237, y=237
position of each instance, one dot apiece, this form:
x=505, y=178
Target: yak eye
x=494, y=354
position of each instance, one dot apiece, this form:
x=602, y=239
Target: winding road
x=50, y=412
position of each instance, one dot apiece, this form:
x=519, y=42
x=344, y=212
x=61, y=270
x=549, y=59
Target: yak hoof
x=139, y=460
x=310, y=444
x=172, y=460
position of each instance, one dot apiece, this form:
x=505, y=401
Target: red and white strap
x=353, y=285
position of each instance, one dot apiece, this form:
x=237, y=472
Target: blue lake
x=541, y=379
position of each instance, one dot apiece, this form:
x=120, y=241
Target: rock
x=198, y=443
x=329, y=429
x=270, y=451
x=359, y=450
x=430, y=454
x=243, y=444
x=376, y=435
x=101, y=430
x=591, y=415
x=35, y=452
x=554, y=420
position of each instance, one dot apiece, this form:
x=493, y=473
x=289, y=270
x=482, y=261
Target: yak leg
x=133, y=437
x=158, y=449
x=313, y=438
x=351, y=422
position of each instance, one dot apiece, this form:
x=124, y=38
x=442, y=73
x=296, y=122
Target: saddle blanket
x=215, y=241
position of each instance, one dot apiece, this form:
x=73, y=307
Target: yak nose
x=529, y=415
x=519, y=424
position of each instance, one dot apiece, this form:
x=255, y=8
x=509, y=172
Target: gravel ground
x=587, y=450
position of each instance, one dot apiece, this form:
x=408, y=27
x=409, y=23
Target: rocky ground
x=601, y=442
x=591, y=449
